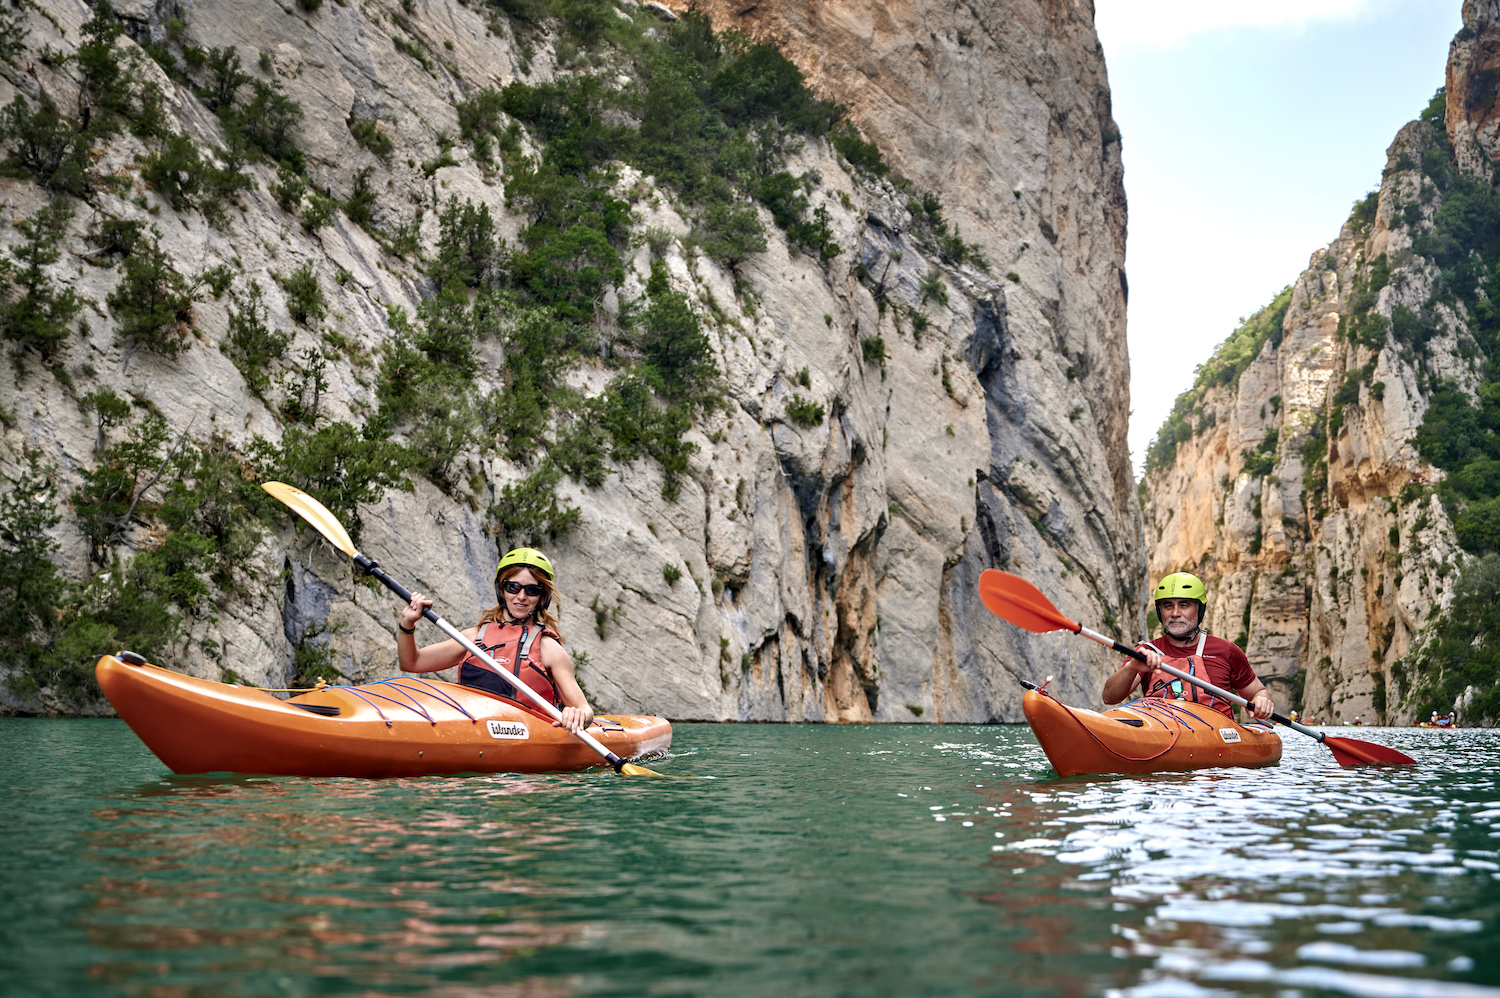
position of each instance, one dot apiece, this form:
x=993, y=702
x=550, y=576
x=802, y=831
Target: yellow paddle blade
x=314, y=513
x=631, y=769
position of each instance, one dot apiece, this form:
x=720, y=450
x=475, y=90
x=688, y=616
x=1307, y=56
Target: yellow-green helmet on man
x=530, y=557
x=1182, y=585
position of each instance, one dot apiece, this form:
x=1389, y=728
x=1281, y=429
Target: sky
x=1248, y=132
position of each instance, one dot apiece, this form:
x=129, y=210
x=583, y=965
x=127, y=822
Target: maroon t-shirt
x=1226, y=665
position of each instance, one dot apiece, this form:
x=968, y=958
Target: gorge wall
x=937, y=390
x=1298, y=475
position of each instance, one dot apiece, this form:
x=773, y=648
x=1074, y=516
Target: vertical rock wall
x=829, y=570
x=1328, y=566
x=1004, y=110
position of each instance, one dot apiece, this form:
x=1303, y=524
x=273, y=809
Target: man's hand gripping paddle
x=328, y=525
x=1013, y=599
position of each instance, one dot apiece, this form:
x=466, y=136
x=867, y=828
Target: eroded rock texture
x=1328, y=565
x=829, y=571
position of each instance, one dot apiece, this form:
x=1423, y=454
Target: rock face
x=1473, y=62
x=828, y=570
x=1297, y=490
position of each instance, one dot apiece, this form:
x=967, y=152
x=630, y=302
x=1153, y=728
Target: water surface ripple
x=805, y=860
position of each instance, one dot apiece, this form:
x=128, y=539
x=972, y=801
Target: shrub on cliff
x=425, y=386
x=196, y=519
x=268, y=121
x=530, y=512
x=640, y=425
x=342, y=464
x=1458, y=432
x=35, y=312
x=179, y=172
x=934, y=232
x=1259, y=462
x=470, y=250
x=1464, y=647
x=757, y=83
x=31, y=589
x=57, y=627
x=729, y=232
x=45, y=148
x=305, y=300
x=567, y=253
x=858, y=152
x=678, y=354
x=153, y=302
x=251, y=343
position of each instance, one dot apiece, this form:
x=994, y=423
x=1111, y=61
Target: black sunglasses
x=515, y=587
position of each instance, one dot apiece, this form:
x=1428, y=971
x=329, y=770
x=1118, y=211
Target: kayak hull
x=1147, y=736
x=401, y=727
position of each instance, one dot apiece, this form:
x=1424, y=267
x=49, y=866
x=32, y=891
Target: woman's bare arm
x=433, y=658
x=577, y=714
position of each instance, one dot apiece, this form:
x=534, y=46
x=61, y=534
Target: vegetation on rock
x=171, y=521
x=1224, y=368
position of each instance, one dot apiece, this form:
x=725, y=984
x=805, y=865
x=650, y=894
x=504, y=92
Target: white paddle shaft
x=1200, y=683
x=530, y=693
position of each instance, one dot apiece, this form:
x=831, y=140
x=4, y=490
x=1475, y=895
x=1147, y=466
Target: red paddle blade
x=1013, y=599
x=1353, y=752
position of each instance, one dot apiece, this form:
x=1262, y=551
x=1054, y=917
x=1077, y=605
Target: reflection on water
x=817, y=860
x=1368, y=881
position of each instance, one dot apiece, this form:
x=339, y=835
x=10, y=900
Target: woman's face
x=518, y=605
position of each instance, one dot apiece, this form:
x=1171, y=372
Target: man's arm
x=1128, y=676
x=1248, y=685
x=1262, y=706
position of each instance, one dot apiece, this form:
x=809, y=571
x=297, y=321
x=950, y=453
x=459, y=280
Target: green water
x=803, y=860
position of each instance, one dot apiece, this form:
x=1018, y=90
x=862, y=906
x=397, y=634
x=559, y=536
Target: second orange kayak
x=1145, y=736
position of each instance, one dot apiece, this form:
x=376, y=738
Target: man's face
x=1179, y=617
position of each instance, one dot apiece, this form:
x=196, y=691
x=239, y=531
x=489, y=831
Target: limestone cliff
x=895, y=418
x=1291, y=476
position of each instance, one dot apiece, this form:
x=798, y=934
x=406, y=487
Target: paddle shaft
x=378, y=574
x=1202, y=684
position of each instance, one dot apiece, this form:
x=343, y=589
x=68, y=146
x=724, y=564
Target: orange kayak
x=396, y=727
x=1145, y=736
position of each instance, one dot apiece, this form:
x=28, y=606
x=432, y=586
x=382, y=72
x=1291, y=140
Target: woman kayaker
x=1181, y=601
x=519, y=633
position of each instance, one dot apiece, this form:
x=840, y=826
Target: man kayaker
x=519, y=633
x=1181, y=600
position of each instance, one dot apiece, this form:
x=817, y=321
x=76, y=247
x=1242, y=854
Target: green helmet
x=1182, y=585
x=530, y=557
x=1178, y=585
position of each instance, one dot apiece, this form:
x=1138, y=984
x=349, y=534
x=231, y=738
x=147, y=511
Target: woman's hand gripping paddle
x=1013, y=599
x=328, y=525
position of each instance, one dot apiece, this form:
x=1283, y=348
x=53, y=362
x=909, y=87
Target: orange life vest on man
x=511, y=646
x=1166, y=686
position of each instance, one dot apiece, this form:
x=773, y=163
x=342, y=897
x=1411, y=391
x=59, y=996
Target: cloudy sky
x=1248, y=130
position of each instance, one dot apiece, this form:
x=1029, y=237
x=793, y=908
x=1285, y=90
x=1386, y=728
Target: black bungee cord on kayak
x=1177, y=730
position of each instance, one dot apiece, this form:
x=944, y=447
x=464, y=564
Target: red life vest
x=511, y=645
x=1166, y=686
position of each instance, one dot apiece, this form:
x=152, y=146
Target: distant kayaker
x=520, y=633
x=1180, y=605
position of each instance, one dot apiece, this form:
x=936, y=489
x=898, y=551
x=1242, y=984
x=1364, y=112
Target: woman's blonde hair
x=548, y=615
